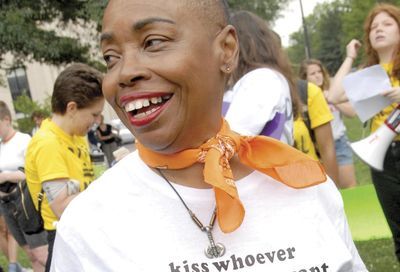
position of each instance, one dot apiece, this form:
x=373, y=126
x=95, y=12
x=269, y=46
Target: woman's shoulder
x=263, y=73
x=44, y=137
x=261, y=78
x=23, y=136
x=313, y=90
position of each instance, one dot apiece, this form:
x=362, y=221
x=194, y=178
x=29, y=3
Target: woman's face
x=164, y=79
x=315, y=75
x=5, y=126
x=84, y=118
x=384, y=35
x=38, y=120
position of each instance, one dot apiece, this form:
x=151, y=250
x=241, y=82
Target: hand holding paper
x=393, y=94
x=364, y=89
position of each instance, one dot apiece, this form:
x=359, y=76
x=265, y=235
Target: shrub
x=25, y=105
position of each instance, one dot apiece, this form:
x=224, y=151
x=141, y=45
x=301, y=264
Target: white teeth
x=145, y=102
x=140, y=115
x=129, y=107
x=138, y=104
x=144, y=114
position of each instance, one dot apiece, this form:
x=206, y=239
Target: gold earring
x=228, y=68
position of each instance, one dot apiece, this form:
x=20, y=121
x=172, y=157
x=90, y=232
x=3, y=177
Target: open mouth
x=143, y=110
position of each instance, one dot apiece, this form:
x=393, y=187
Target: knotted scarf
x=267, y=155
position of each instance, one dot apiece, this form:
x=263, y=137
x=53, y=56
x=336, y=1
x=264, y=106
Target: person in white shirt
x=263, y=100
x=195, y=196
x=12, y=156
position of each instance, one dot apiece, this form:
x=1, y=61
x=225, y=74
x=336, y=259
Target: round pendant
x=215, y=252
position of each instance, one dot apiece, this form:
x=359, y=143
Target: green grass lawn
x=369, y=228
x=356, y=132
x=378, y=255
x=22, y=259
x=364, y=213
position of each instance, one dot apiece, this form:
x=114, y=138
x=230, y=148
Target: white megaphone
x=372, y=149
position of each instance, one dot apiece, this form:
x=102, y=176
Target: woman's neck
x=193, y=176
x=385, y=56
x=11, y=132
x=63, y=122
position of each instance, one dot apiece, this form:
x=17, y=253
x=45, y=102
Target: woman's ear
x=71, y=108
x=7, y=118
x=229, y=46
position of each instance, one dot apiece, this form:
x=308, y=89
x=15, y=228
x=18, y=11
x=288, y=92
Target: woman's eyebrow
x=108, y=36
x=142, y=23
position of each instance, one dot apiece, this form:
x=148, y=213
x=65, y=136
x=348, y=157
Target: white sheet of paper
x=364, y=88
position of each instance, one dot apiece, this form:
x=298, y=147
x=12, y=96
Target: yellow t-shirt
x=378, y=119
x=53, y=154
x=319, y=114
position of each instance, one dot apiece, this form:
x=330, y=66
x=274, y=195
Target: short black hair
x=213, y=11
x=38, y=114
x=4, y=110
x=78, y=83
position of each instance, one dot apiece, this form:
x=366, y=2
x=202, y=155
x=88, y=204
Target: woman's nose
x=132, y=70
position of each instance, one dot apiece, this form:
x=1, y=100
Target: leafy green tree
x=297, y=51
x=267, y=9
x=25, y=105
x=24, y=35
x=327, y=35
x=331, y=26
x=325, y=32
x=23, y=32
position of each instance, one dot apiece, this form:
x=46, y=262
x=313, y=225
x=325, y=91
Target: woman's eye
x=152, y=43
x=109, y=60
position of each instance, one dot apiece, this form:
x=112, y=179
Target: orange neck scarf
x=269, y=156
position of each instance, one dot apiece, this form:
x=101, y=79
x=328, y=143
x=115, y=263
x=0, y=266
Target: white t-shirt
x=131, y=220
x=338, y=127
x=12, y=153
x=260, y=96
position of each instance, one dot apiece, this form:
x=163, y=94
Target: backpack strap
x=40, y=195
x=40, y=200
x=302, y=86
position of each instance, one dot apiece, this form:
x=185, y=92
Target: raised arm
x=336, y=92
x=346, y=109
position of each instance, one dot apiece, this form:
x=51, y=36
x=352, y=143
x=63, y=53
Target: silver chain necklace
x=214, y=250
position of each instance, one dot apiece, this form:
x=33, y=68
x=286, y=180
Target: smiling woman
x=174, y=204
x=162, y=52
